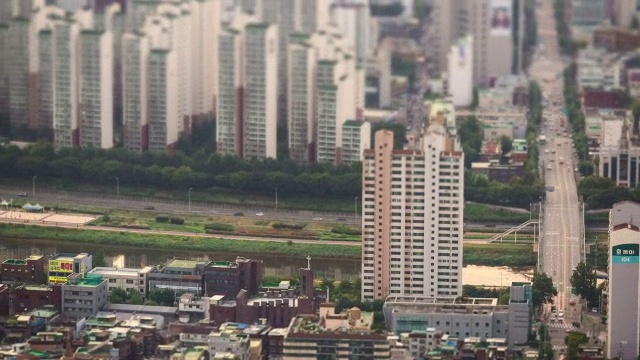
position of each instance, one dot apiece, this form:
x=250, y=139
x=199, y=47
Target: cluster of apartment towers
x=159, y=67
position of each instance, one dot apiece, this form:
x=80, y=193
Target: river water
x=275, y=265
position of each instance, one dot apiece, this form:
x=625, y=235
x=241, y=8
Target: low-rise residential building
x=229, y=338
x=334, y=335
x=84, y=296
x=618, y=156
x=63, y=265
x=459, y=317
x=276, y=306
x=125, y=278
x=616, y=39
x=30, y=270
x=228, y=277
x=193, y=307
x=598, y=69
x=29, y=297
x=463, y=318
x=178, y=275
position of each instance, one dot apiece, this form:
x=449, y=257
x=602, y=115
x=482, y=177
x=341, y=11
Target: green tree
x=119, y=296
x=573, y=341
x=134, y=297
x=471, y=134
x=583, y=282
x=545, y=351
x=98, y=259
x=543, y=289
x=506, y=144
x=164, y=297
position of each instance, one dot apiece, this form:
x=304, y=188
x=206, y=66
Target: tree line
x=178, y=170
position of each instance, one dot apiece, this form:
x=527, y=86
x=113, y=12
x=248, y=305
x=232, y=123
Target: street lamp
x=276, y=198
x=33, y=185
x=190, y=189
x=117, y=186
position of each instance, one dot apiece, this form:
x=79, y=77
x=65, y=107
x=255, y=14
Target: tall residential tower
x=412, y=201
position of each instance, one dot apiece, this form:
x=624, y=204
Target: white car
x=259, y=214
x=317, y=219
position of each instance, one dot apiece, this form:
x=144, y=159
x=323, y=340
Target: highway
x=561, y=241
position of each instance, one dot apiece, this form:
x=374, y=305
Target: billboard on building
x=61, y=266
x=501, y=17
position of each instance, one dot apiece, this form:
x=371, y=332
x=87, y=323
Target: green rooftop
x=227, y=264
x=90, y=280
x=14, y=262
x=183, y=264
x=353, y=123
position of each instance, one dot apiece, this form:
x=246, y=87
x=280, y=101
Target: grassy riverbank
x=187, y=243
x=513, y=255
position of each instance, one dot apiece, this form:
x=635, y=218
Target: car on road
x=149, y=208
x=317, y=219
x=572, y=302
x=238, y=214
x=549, y=167
x=23, y=194
x=341, y=219
x=259, y=214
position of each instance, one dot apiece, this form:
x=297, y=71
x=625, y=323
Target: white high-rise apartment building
x=17, y=70
x=353, y=18
x=66, y=62
x=135, y=80
x=326, y=88
x=164, y=111
x=260, y=91
x=170, y=72
x=412, y=202
x=301, y=98
x=490, y=23
x=96, y=79
x=230, y=104
x=206, y=20
x=5, y=15
x=461, y=71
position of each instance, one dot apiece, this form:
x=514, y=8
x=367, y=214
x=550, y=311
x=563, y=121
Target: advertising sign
x=501, y=17
x=625, y=254
x=61, y=266
x=57, y=280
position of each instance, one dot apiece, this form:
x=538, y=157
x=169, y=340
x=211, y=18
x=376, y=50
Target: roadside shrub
x=162, y=218
x=345, y=230
x=219, y=227
x=177, y=221
x=279, y=225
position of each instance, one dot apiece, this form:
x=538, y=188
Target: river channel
x=275, y=265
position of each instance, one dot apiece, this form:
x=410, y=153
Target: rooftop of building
x=423, y=300
x=68, y=256
x=22, y=261
x=46, y=312
x=222, y=264
x=230, y=330
x=142, y=309
x=88, y=280
x=184, y=264
x=115, y=271
x=103, y=319
x=626, y=212
x=353, y=123
x=37, y=287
